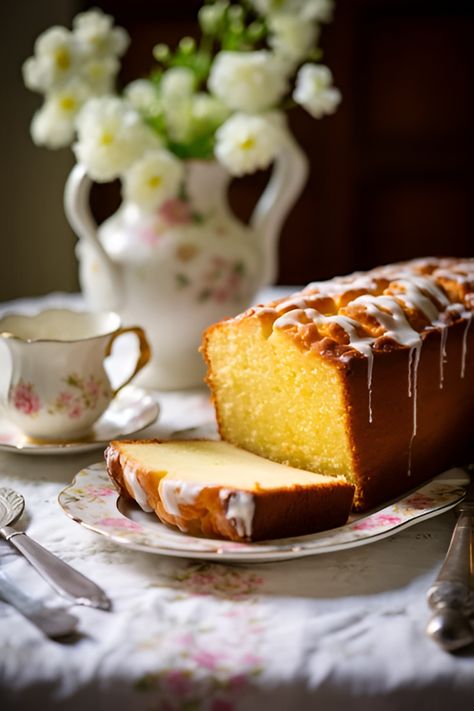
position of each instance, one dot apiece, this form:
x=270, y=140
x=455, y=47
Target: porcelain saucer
x=132, y=410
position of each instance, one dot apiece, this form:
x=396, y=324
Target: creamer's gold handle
x=143, y=357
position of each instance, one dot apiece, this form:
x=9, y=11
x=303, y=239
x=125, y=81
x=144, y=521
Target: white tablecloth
x=341, y=630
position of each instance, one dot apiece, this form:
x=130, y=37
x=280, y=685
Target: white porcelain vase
x=177, y=270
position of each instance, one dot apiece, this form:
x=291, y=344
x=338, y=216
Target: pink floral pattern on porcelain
x=119, y=524
x=79, y=395
x=419, y=501
x=173, y=213
x=221, y=281
x=377, y=521
x=177, y=212
x=24, y=398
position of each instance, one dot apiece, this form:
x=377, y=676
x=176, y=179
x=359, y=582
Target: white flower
x=100, y=73
x=178, y=118
x=143, y=96
x=111, y=136
x=153, y=179
x=248, y=81
x=246, y=143
x=319, y=10
x=97, y=36
x=176, y=89
x=177, y=82
x=314, y=90
x=53, y=125
x=55, y=61
x=211, y=16
x=292, y=36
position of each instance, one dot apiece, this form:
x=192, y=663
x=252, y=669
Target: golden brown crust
x=278, y=513
x=453, y=277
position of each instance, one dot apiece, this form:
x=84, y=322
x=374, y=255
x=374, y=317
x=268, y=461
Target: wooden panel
x=414, y=217
x=416, y=83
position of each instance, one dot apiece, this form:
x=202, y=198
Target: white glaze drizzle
x=240, y=510
x=391, y=316
x=413, y=363
x=294, y=302
x=464, y=344
x=130, y=476
x=455, y=274
x=414, y=296
x=175, y=493
x=370, y=369
x=240, y=504
x=416, y=291
x=361, y=344
x=443, y=328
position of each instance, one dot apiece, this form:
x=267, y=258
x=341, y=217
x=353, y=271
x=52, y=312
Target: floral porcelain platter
x=92, y=501
x=130, y=411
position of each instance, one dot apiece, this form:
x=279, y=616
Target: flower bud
x=187, y=45
x=210, y=19
x=161, y=52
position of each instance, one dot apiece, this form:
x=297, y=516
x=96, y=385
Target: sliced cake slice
x=213, y=488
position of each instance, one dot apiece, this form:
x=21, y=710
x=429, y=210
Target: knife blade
x=450, y=595
x=53, y=622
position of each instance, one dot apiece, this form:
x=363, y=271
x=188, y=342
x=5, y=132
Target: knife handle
x=452, y=586
x=449, y=595
x=62, y=578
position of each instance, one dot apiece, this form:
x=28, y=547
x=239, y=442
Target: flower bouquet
x=222, y=97
x=209, y=110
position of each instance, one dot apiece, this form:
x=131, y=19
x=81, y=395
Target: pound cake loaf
x=368, y=376
x=215, y=489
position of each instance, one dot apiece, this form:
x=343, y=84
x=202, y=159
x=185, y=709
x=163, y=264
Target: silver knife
x=449, y=597
x=53, y=622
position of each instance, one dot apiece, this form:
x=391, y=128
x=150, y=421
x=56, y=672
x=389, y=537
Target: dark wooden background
x=392, y=172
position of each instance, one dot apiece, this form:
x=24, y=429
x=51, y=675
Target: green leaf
x=147, y=682
x=201, y=148
x=157, y=123
x=182, y=280
x=204, y=295
x=156, y=75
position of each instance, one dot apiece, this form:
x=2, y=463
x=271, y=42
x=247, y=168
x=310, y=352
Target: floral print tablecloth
x=327, y=632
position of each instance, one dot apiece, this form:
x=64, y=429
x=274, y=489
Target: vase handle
x=284, y=187
x=79, y=216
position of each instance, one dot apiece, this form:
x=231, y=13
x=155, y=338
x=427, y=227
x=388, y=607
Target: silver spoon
x=62, y=578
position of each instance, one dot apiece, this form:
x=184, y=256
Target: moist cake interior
x=283, y=402
x=216, y=464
